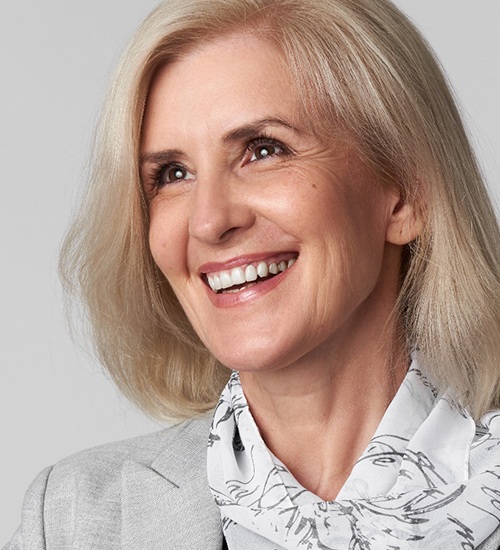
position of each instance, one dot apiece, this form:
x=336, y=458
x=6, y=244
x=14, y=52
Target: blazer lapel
x=168, y=504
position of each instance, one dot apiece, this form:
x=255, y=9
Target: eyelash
x=158, y=171
x=267, y=140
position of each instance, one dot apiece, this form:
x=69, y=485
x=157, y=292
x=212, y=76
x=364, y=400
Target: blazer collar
x=168, y=504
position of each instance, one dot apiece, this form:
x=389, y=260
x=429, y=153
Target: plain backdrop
x=55, y=59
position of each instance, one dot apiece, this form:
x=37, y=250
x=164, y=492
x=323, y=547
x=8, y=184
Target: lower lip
x=232, y=299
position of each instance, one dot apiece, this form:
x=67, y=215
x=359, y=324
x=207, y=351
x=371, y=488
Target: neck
x=318, y=415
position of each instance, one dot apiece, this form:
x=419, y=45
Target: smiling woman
x=285, y=222
x=244, y=185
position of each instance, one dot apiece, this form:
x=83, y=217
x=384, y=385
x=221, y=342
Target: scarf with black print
x=429, y=478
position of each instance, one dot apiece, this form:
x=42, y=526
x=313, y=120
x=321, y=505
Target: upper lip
x=212, y=267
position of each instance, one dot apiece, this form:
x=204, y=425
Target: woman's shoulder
x=87, y=494
x=142, y=449
x=101, y=466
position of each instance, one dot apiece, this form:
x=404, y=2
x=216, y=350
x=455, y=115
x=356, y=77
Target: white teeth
x=225, y=279
x=239, y=276
x=217, y=283
x=273, y=268
x=262, y=270
x=250, y=273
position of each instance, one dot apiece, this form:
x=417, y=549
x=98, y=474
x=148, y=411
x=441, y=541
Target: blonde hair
x=359, y=65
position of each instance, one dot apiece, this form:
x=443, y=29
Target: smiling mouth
x=245, y=276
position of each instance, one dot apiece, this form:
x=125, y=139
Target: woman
x=284, y=189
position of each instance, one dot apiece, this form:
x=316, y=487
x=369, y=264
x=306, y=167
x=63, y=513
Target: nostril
x=228, y=234
x=211, y=231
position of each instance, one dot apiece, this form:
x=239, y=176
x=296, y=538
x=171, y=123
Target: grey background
x=55, y=59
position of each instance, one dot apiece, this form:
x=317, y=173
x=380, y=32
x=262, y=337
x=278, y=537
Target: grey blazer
x=148, y=493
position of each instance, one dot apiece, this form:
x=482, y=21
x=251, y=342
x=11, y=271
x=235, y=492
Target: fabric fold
x=429, y=478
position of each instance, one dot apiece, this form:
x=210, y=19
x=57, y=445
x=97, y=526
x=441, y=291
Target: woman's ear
x=405, y=222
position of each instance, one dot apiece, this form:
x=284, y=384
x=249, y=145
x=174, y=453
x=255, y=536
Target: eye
x=263, y=148
x=171, y=173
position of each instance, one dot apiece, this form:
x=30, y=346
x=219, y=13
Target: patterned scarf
x=429, y=478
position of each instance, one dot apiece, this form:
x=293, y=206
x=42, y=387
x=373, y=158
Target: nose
x=219, y=210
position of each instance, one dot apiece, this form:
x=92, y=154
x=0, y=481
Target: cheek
x=350, y=223
x=166, y=241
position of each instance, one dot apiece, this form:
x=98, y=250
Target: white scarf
x=430, y=478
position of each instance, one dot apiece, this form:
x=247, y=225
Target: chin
x=254, y=359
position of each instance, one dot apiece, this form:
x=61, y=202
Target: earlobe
x=405, y=223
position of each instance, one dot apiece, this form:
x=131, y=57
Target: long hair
x=359, y=65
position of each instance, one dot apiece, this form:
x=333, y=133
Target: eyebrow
x=248, y=131
x=161, y=157
x=242, y=133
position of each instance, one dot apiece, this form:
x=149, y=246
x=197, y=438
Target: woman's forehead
x=219, y=86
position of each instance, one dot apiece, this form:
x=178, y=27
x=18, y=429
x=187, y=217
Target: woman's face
x=274, y=241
